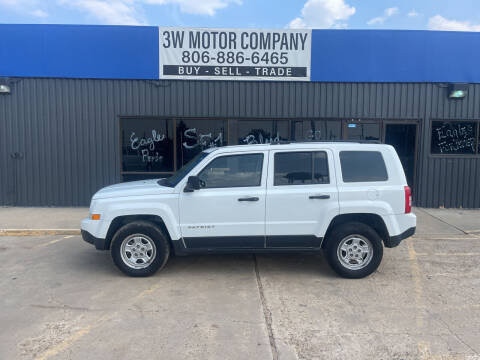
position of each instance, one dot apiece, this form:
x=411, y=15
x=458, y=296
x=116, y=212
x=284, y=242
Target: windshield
x=180, y=174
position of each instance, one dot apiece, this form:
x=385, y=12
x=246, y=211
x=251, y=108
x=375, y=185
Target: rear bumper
x=100, y=244
x=394, y=241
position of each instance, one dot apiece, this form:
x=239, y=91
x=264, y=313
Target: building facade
x=85, y=107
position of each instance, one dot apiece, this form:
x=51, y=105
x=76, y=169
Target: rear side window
x=363, y=166
x=233, y=171
x=301, y=168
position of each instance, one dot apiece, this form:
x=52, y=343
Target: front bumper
x=100, y=244
x=394, y=241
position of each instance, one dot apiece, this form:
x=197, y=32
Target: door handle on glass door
x=319, y=196
x=248, y=199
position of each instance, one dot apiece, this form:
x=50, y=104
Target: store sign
x=187, y=53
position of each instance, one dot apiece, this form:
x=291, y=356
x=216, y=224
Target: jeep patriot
x=348, y=199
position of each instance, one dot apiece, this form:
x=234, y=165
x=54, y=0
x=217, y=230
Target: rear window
x=363, y=166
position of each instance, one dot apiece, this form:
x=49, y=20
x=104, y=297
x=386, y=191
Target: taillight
x=408, y=200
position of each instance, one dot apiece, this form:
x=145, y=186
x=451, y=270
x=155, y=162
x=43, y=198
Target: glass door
x=403, y=137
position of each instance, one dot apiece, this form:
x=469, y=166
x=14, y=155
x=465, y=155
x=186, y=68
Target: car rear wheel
x=354, y=250
x=140, y=249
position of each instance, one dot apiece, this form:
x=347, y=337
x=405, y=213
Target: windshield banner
x=194, y=53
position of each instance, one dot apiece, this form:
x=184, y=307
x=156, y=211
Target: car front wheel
x=140, y=249
x=354, y=250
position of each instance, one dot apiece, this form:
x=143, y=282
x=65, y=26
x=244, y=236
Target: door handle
x=319, y=197
x=253, y=198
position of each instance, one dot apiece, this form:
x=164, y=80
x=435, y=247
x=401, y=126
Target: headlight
x=93, y=206
x=94, y=211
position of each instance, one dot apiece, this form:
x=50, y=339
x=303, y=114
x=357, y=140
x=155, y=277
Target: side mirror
x=193, y=183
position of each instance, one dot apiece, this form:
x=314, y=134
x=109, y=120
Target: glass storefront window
x=359, y=131
x=262, y=131
x=316, y=130
x=156, y=145
x=454, y=137
x=147, y=145
x=195, y=135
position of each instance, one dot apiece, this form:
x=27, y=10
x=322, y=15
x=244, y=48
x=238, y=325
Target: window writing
x=454, y=137
x=262, y=131
x=147, y=145
x=316, y=130
x=195, y=135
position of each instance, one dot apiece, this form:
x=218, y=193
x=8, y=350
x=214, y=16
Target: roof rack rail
x=283, y=142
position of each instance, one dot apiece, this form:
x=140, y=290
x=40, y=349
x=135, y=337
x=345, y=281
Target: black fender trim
x=179, y=248
x=100, y=244
x=394, y=241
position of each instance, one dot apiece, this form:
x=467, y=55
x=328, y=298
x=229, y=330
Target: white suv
x=349, y=199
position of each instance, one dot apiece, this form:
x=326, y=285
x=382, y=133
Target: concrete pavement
x=62, y=299
x=41, y=217
x=430, y=221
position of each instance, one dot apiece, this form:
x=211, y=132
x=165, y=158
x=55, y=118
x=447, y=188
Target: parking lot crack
x=445, y=222
x=63, y=307
x=456, y=335
x=266, y=311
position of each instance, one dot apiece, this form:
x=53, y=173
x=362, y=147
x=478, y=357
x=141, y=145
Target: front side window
x=301, y=168
x=233, y=171
x=362, y=166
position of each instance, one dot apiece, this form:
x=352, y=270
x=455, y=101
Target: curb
x=38, y=232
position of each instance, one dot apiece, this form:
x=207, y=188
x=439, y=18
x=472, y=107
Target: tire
x=346, y=250
x=140, y=249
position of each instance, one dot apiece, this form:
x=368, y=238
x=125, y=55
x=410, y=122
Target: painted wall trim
x=132, y=52
x=79, y=51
